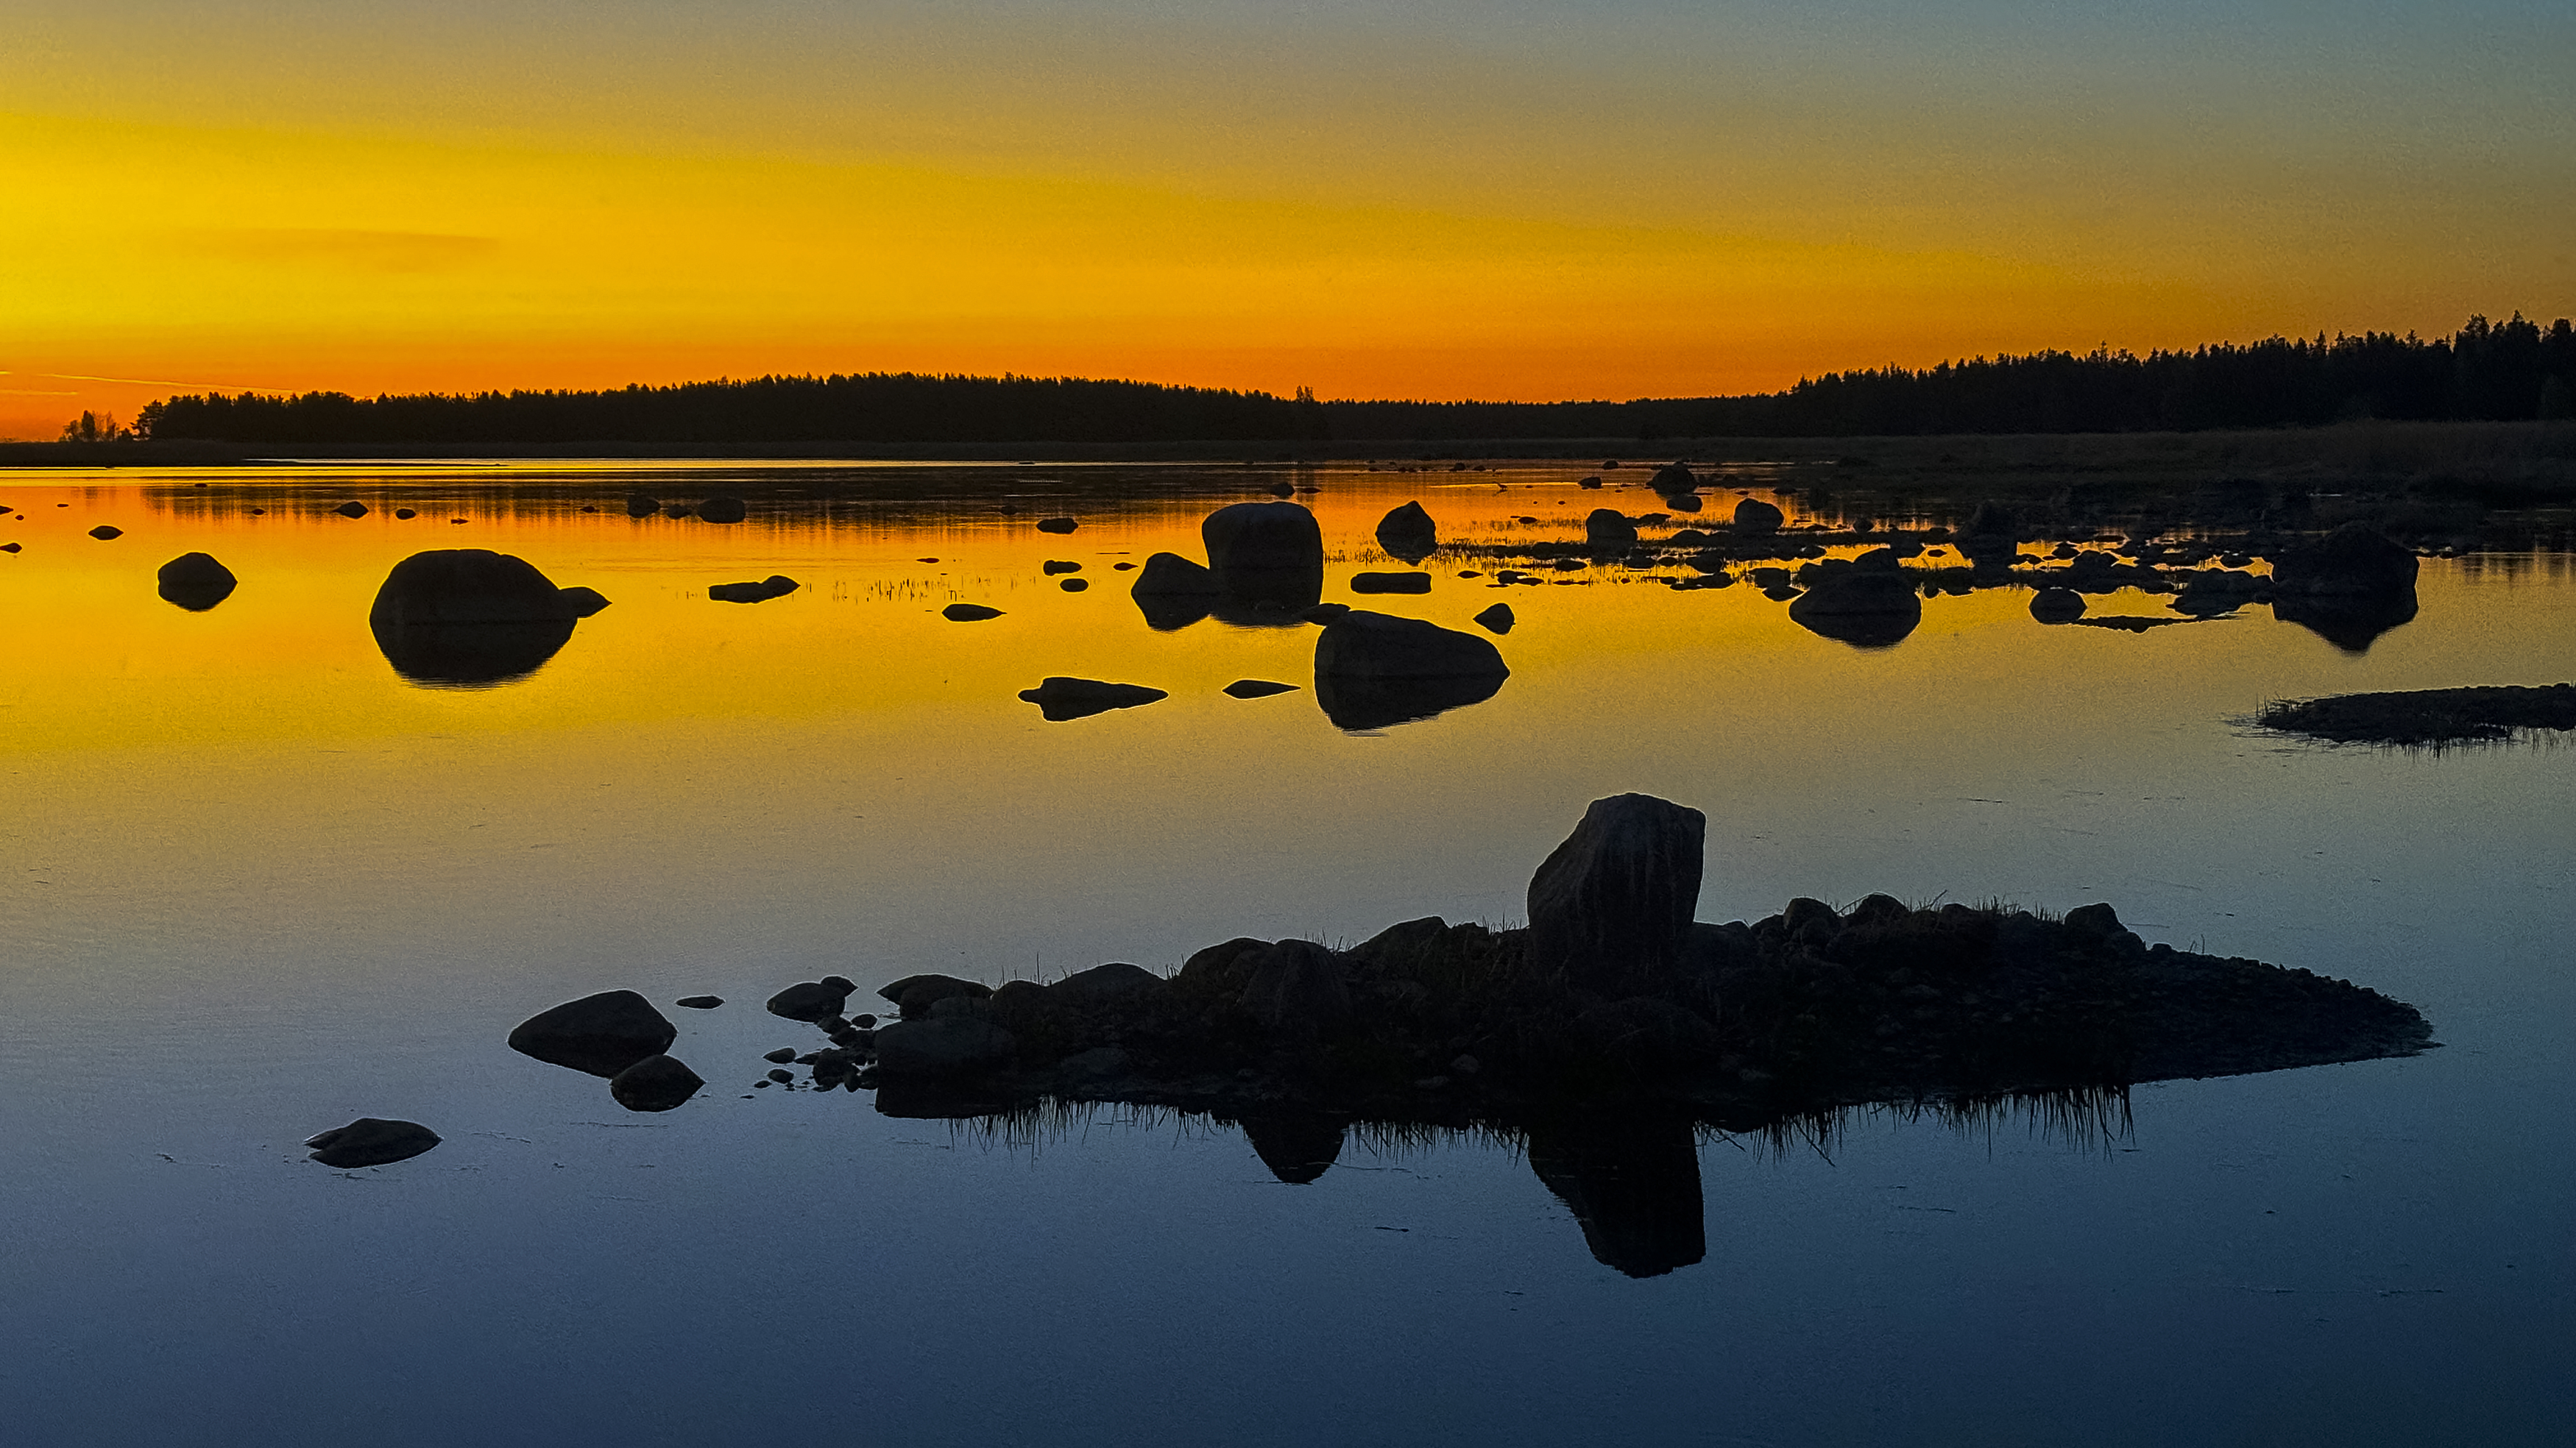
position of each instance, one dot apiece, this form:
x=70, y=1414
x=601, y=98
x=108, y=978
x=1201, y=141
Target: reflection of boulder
x=1633, y=1184
x=1060, y=698
x=1297, y=1147
x=2350, y=624
x=196, y=582
x=602, y=1034
x=1408, y=533
x=1863, y=608
x=1611, y=905
x=471, y=655
x=1374, y=669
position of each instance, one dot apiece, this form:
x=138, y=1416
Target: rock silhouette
x=2354, y=561
x=600, y=1034
x=2057, y=605
x=1373, y=670
x=351, y=509
x=469, y=617
x=371, y=1141
x=813, y=1000
x=656, y=1083
x=1755, y=518
x=1173, y=592
x=1267, y=558
x=700, y=1002
x=1860, y=607
x=1257, y=689
x=639, y=506
x=1611, y=906
x=195, y=582
x=1408, y=533
x=723, y=510
x=1390, y=583
x=1608, y=528
x=1057, y=525
x=776, y=585
x=1298, y=1147
x=1674, y=478
x=1497, y=619
x=1632, y=1183
x=1060, y=698
x=584, y=601
x=105, y=532
x=969, y=612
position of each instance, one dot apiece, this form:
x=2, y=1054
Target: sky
x=1403, y=198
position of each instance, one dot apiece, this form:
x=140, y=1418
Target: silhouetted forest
x=2510, y=370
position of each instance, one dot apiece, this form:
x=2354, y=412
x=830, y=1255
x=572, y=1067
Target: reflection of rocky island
x=1604, y=1035
x=465, y=618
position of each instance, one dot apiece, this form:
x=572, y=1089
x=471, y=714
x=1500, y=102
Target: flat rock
x=1060, y=698
x=371, y=1141
x=601, y=1034
x=1391, y=583
x=968, y=613
x=700, y=1002
x=776, y=585
x=1257, y=689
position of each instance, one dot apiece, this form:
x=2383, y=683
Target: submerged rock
x=600, y=1034
x=1057, y=525
x=1060, y=698
x=371, y=1141
x=656, y=1083
x=106, y=532
x=351, y=509
x=196, y=582
x=1610, y=908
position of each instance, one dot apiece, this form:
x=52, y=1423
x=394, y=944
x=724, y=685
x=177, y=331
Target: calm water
x=258, y=884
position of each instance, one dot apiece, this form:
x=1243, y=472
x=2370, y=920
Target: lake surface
x=258, y=883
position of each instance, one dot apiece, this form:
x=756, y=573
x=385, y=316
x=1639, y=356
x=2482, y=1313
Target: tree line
x=2508, y=370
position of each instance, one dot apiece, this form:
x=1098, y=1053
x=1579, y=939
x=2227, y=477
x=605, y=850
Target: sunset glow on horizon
x=1516, y=201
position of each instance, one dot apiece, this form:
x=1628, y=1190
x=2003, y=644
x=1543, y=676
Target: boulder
x=1611, y=907
x=2057, y=605
x=1221, y=970
x=812, y=1000
x=1374, y=669
x=1390, y=583
x=1408, y=533
x=1296, y=988
x=1755, y=518
x=601, y=1034
x=723, y=509
x=968, y=613
x=2354, y=561
x=776, y=585
x=1867, y=609
x=639, y=506
x=656, y=1083
x=453, y=586
x=1263, y=537
x=914, y=995
x=1171, y=575
x=1116, y=981
x=351, y=509
x=1608, y=528
x=1683, y=502
x=106, y=531
x=1674, y=480
x=196, y=582
x=1257, y=689
x=1587, y=483
x=1497, y=619
x=371, y=1141
x=1060, y=698
x=949, y=1046
x=1057, y=525
x=1402, y=943
x=1054, y=566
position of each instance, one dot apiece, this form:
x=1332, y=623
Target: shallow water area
x=259, y=882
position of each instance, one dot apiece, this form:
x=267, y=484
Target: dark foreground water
x=258, y=883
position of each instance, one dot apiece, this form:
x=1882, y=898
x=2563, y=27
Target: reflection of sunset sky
x=1530, y=200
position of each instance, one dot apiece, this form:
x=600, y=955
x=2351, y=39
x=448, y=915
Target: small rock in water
x=781, y=1056
x=1497, y=619
x=811, y=1000
x=405, y=514
x=916, y=994
x=1054, y=566
x=1391, y=583
x=700, y=1002
x=371, y=1141
x=2057, y=605
x=1057, y=525
x=1257, y=689
x=968, y=613
x=723, y=510
x=1074, y=585
x=776, y=585
x=351, y=509
x=1122, y=567
x=640, y=506
x=105, y=531
x=656, y=1083
x=782, y=1076
x=1060, y=698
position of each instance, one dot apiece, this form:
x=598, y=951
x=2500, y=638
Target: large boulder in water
x=1375, y=669
x=602, y=1034
x=371, y=1141
x=196, y=582
x=1755, y=518
x=2354, y=561
x=1408, y=533
x=1608, y=528
x=1675, y=479
x=1865, y=608
x=448, y=586
x=1263, y=537
x=1173, y=592
x=1611, y=906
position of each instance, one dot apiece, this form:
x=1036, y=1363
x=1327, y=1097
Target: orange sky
x=1511, y=200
